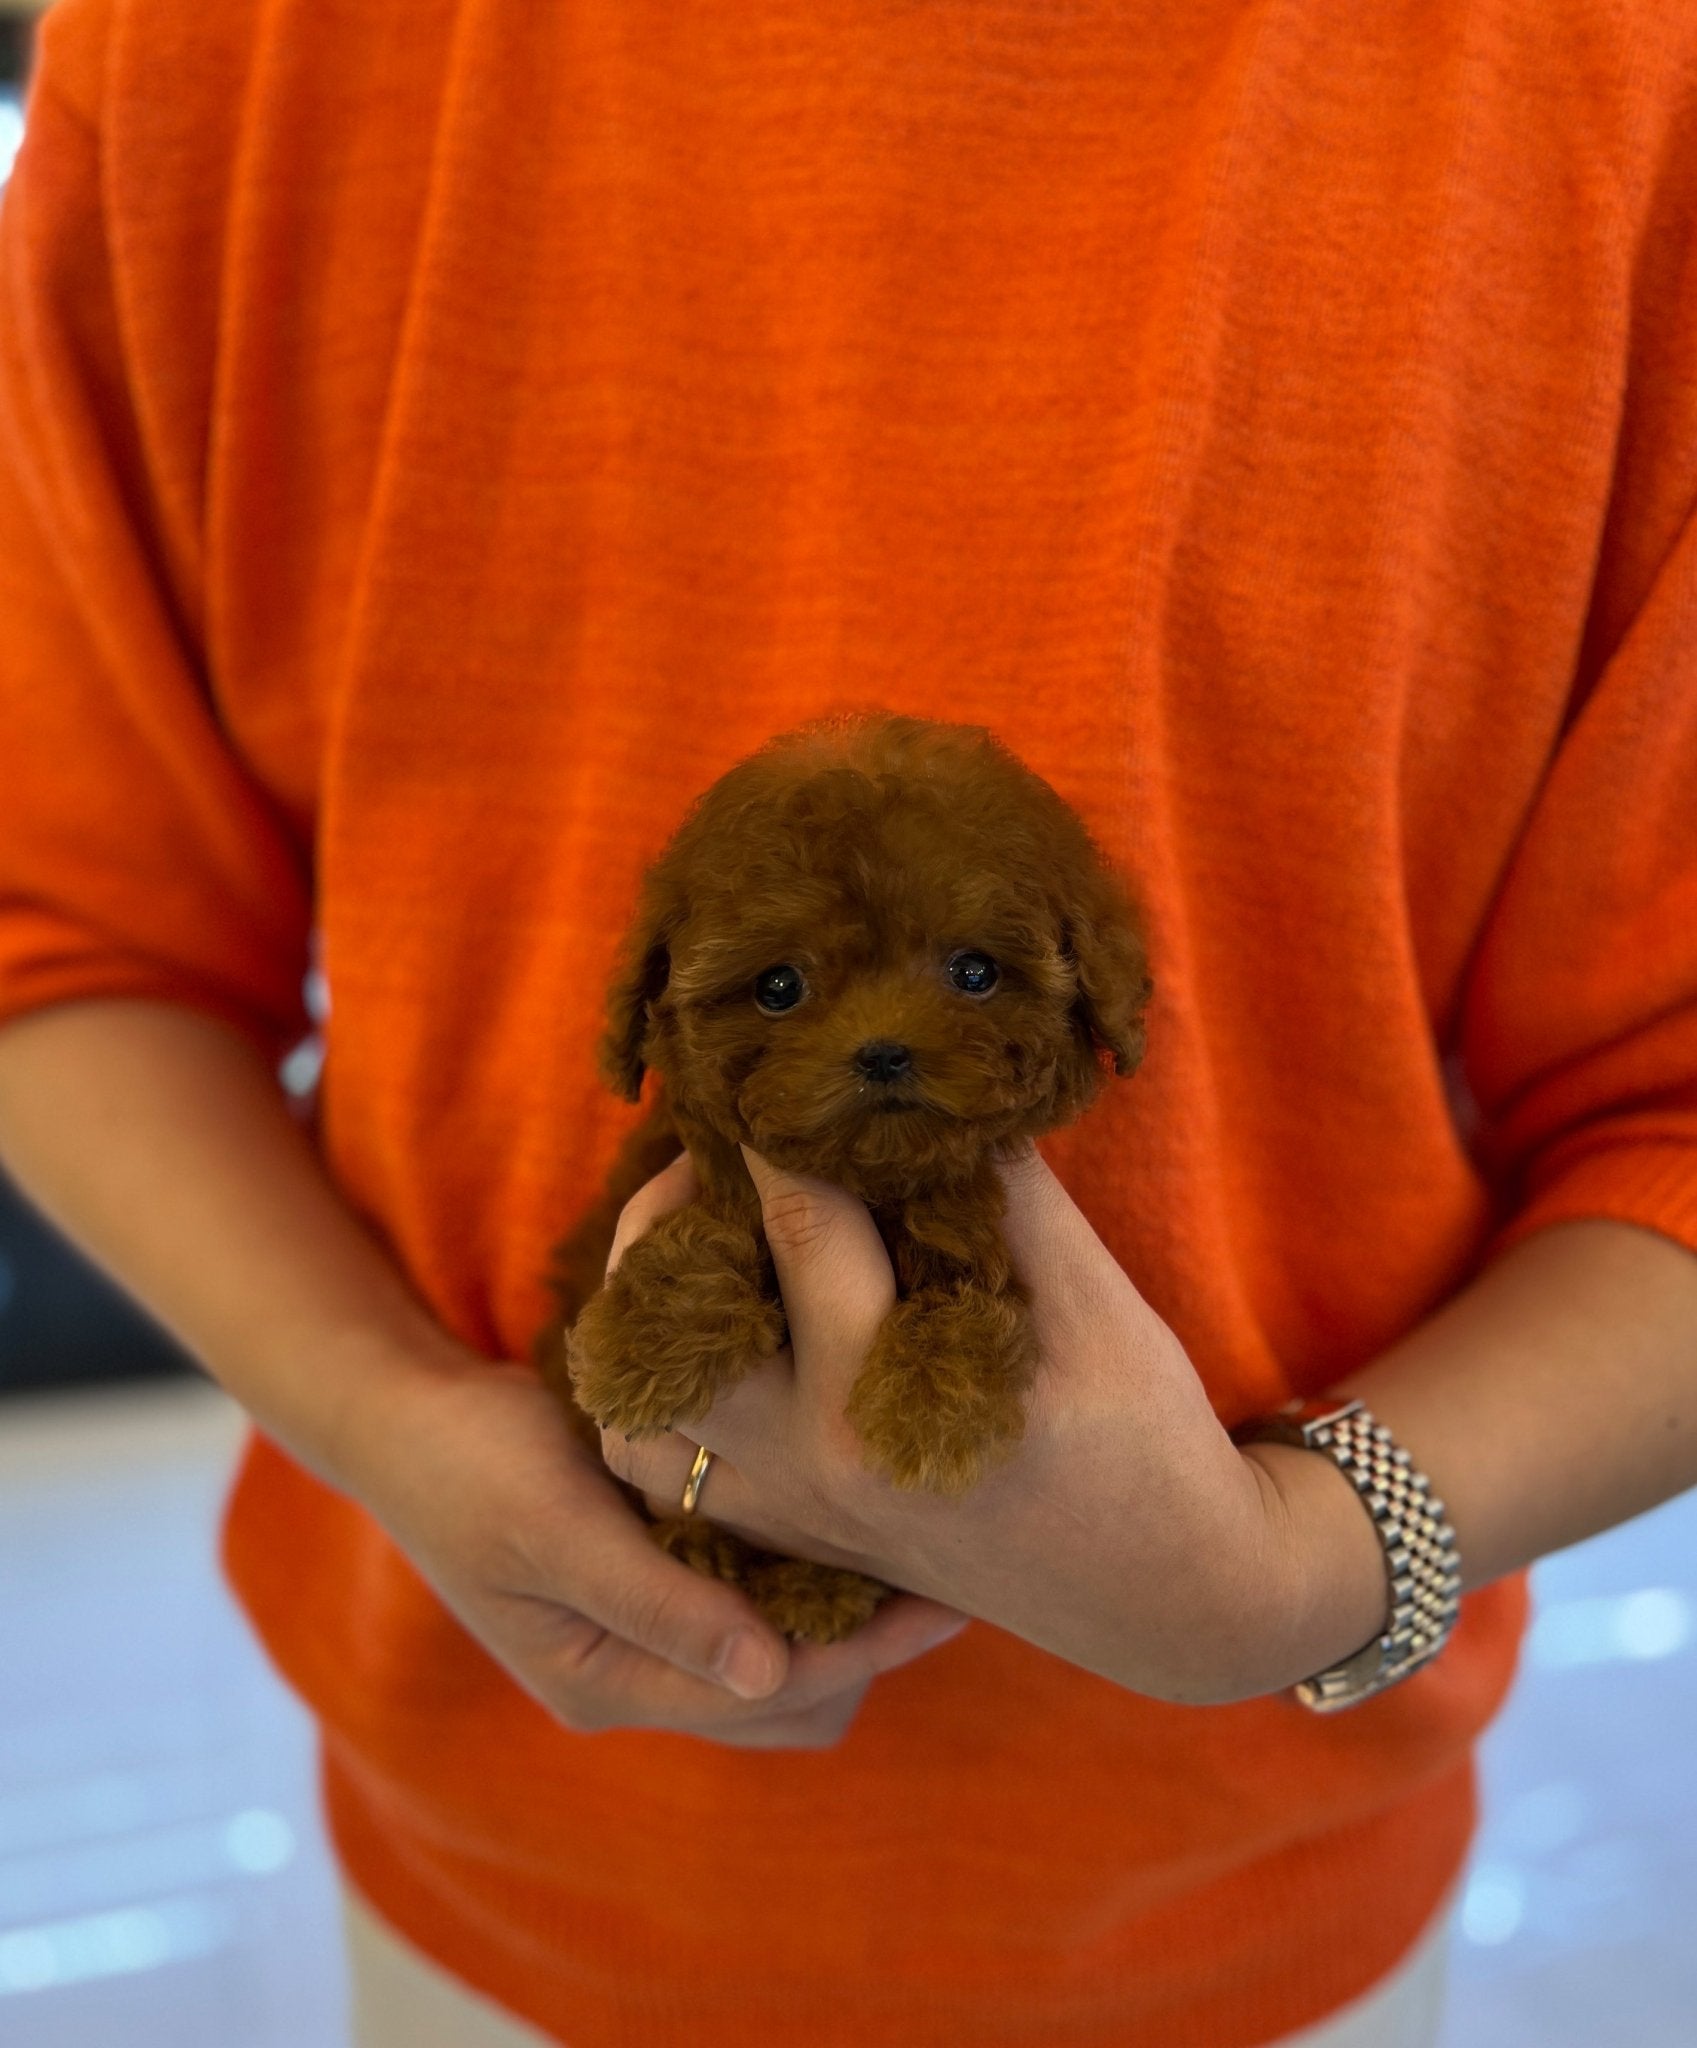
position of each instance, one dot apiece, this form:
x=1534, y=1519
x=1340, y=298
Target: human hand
x=1126, y=1534
x=149, y=1132
x=474, y=1471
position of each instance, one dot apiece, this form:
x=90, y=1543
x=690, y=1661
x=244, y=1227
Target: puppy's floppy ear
x=637, y=985
x=1099, y=934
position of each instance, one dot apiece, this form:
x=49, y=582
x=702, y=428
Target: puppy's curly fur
x=883, y=952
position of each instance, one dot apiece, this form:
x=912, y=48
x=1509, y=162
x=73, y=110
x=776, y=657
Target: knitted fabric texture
x=437, y=439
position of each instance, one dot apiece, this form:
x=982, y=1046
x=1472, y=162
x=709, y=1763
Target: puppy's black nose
x=881, y=1059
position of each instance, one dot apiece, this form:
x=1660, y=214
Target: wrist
x=1300, y=1585
x=1326, y=1581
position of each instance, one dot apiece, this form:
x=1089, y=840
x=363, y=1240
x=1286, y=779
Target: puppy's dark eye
x=778, y=989
x=976, y=974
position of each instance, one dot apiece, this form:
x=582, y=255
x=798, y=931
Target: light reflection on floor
x=163, y=1878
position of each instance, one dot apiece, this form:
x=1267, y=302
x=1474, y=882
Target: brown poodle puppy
x=883, y=952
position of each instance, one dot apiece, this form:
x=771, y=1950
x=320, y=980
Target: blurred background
x=163, y=1873
x=17, y=30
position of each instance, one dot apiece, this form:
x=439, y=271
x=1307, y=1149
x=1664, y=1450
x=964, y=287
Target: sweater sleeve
x=139, y=856
x=1579, y=1029
x=1579, y=1017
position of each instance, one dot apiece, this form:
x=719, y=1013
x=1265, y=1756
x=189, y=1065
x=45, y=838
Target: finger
x=833, y=1271
x=1040, y=1214
x=821, y=1727
x=673, y=1187
x=1054, y=1250
x=902, y=1630
x=616, y=1684
x=660, y=1467
x=752, y=1420
x=621, y=1582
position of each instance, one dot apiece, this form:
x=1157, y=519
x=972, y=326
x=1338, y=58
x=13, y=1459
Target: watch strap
x=1422, y=1564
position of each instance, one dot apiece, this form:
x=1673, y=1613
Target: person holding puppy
x=433, y=451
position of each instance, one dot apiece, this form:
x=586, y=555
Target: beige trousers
x=400, y=1999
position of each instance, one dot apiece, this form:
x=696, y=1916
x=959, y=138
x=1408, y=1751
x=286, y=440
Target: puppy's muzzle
x=882, y=1059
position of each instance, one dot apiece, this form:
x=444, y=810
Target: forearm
x=160, y=1142
x=1553, y=1398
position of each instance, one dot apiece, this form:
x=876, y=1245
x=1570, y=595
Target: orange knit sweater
x=438, y=436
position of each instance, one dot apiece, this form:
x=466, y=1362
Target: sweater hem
x=604, y=1979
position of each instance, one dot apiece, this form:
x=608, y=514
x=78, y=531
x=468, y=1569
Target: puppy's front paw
x=809, y=1603
x=680, y=1319
x=813, y=1603
x=941, y=1397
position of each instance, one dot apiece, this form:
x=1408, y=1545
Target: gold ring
x=692, y=1485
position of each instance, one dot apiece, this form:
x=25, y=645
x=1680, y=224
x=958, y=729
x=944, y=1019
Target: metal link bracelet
x=1422, y=1563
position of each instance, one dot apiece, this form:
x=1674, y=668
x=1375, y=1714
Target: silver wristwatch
x=1421, y=1560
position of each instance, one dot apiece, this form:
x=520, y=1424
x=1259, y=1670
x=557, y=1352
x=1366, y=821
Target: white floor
x=163, y=1879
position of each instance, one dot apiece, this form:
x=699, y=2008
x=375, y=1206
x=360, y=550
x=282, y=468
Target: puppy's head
x=875, y=949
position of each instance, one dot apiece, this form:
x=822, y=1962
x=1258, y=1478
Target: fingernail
x=746, y=1667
